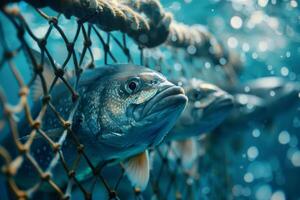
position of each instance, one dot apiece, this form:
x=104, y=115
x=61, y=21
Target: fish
x=213, y=101
x=122, y=111
x=261, y=100
x=208, y=107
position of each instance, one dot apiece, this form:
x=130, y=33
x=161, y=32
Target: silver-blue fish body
x=122, y=110
x=262, y=99
x=207, y=107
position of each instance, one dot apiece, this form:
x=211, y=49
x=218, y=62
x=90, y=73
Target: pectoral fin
x=137, y=170
x=187, y=151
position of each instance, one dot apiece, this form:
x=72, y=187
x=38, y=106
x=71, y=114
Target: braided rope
x=147, y=23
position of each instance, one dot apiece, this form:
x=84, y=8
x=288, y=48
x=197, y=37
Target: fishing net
x=102, y=32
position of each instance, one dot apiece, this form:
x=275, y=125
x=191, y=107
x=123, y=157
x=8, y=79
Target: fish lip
x=223, y=104
x=170, y=96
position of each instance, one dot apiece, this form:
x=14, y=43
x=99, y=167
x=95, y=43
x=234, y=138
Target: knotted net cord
x=149, y=26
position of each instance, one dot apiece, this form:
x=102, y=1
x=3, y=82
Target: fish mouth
x=223, y=105
x=169, y=98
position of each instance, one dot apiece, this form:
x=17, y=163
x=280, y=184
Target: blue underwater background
x=244, y=161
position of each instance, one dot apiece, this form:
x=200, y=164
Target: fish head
x=207, y=107
x=139, y=106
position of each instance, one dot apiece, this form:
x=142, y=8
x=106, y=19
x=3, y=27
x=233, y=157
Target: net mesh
x=88, y=33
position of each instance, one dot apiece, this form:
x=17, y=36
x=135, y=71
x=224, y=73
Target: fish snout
x=169, y=97
x=223, y=105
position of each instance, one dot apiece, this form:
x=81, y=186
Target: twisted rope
x=147, y=23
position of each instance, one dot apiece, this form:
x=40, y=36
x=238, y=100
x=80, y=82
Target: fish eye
x=132, y=85
x=196, y=95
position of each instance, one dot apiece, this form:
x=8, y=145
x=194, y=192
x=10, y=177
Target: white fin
x=186, y=150
x=137, y=170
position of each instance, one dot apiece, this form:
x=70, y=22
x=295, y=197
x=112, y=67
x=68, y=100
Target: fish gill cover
x=142, y=99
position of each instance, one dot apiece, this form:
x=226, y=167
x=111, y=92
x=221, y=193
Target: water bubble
x=237, y=190
x=205, y=190
x=261, y=169
x=263, y=46
x=254, y=55
x=178, y=66
x=264, y=192
x=272, y=93
x=248, y=177
x=293, y=3
x=246, y=191
x=273, y=23
x=232, y=42
x=223, y=61
x=296, y=159
x=284, y=71
x=256, y=18
x=174, y=38
x=246, y=47
x=252, y=153
x=247, y=89
x=270, y=67
x=191, y=49
x=278, y=195
x=256, y=133
x=238, y=5
x=207, y=65
x=236, y=22
x=263, y=3
x=250, y=106
x=284, y=137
